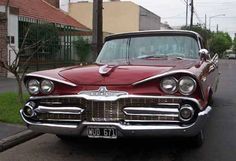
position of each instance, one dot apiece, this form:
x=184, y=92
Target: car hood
x=121, y=74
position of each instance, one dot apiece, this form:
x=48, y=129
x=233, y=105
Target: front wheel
x=197, y=141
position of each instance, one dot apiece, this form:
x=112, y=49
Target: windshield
x=125, y=50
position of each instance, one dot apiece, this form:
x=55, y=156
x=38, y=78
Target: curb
x=16, y=139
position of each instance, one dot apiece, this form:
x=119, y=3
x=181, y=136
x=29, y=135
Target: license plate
x=102, y=132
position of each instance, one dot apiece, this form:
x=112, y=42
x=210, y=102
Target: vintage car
x=149, y=83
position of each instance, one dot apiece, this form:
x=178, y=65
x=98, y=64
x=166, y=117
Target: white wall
x=12, y=32
x=2, y=8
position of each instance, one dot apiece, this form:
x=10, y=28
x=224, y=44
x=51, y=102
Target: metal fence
x=57, y=53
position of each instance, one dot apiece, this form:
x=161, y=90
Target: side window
x=201, y=43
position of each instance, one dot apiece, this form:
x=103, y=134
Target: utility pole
x=205, y=21
x=186, y=12
x=97, y=41
x=217, y=28
x=192, y=10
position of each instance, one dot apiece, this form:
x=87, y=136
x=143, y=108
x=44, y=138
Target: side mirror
x=204, y=54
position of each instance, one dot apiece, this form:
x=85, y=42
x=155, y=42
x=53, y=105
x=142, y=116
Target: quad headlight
x=187, y=85
x=47, y=86
x=169, y=85
x=33, y=86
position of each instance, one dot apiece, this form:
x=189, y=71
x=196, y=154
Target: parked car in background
x=232, y=56
x=152, y=83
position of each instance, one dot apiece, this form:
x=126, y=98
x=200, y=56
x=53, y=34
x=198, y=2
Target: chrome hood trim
x=51, y=78
x=162, y=75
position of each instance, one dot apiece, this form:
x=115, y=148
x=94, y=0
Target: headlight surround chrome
x=169, y=85
x=46, y=86
x=33, y=86
x=187, y=85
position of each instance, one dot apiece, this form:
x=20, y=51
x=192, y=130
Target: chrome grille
x=110, y=110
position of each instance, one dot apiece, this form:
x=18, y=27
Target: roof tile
x=41, y=10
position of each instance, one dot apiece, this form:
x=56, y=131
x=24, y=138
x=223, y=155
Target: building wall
x=149, y=20
x=117, y=16
x=3, y=41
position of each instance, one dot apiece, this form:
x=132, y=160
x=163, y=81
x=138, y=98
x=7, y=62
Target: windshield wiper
x=150, y=56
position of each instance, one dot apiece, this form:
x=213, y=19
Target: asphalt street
x=220, y=142
x=7, y=85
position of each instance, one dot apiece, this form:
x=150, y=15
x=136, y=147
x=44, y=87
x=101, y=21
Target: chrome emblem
x=103, y=91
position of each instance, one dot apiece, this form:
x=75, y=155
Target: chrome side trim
x=51, y=78
x=205, y=112
x=59, y=110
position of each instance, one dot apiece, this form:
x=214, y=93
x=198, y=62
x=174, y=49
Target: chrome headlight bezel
x=46, y=86
x=33, y=84
x=193, y=84
x=174, y=88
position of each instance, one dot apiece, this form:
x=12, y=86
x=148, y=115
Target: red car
x=152, y=83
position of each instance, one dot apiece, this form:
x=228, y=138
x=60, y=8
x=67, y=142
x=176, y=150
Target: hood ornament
x=106, y=69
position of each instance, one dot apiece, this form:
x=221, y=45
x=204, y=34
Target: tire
x=197, y=141
x=210, y=99
x=65, y=137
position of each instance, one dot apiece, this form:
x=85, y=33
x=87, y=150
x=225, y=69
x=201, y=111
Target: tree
x=83, y=49
x=206, y=34
x=234, y=45
x=216, y=42
x=27, y=46
x=219, y=43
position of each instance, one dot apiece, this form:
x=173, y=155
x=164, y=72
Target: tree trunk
x=20, y=90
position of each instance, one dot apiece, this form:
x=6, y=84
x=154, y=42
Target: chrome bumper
x=80, y=129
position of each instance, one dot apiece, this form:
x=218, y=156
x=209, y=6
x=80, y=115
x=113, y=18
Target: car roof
x=152, y=33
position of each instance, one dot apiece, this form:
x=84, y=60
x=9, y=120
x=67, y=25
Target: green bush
x=83, y=49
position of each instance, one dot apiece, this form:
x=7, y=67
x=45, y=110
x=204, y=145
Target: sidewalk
x=11, y=135
x=8, y=85
x=7, y=130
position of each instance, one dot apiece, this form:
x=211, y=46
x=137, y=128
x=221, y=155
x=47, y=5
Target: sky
x=174, y=11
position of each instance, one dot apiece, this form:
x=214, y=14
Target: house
x=21, y=13
x=118, y=16
x=166, y=26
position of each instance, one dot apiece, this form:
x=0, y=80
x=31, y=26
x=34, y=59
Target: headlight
x=169, y=85
x=187, y=85
x=186, y=112
x=33, y=86
x=47, y=86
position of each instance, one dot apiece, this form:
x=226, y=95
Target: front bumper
x=124, y=130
